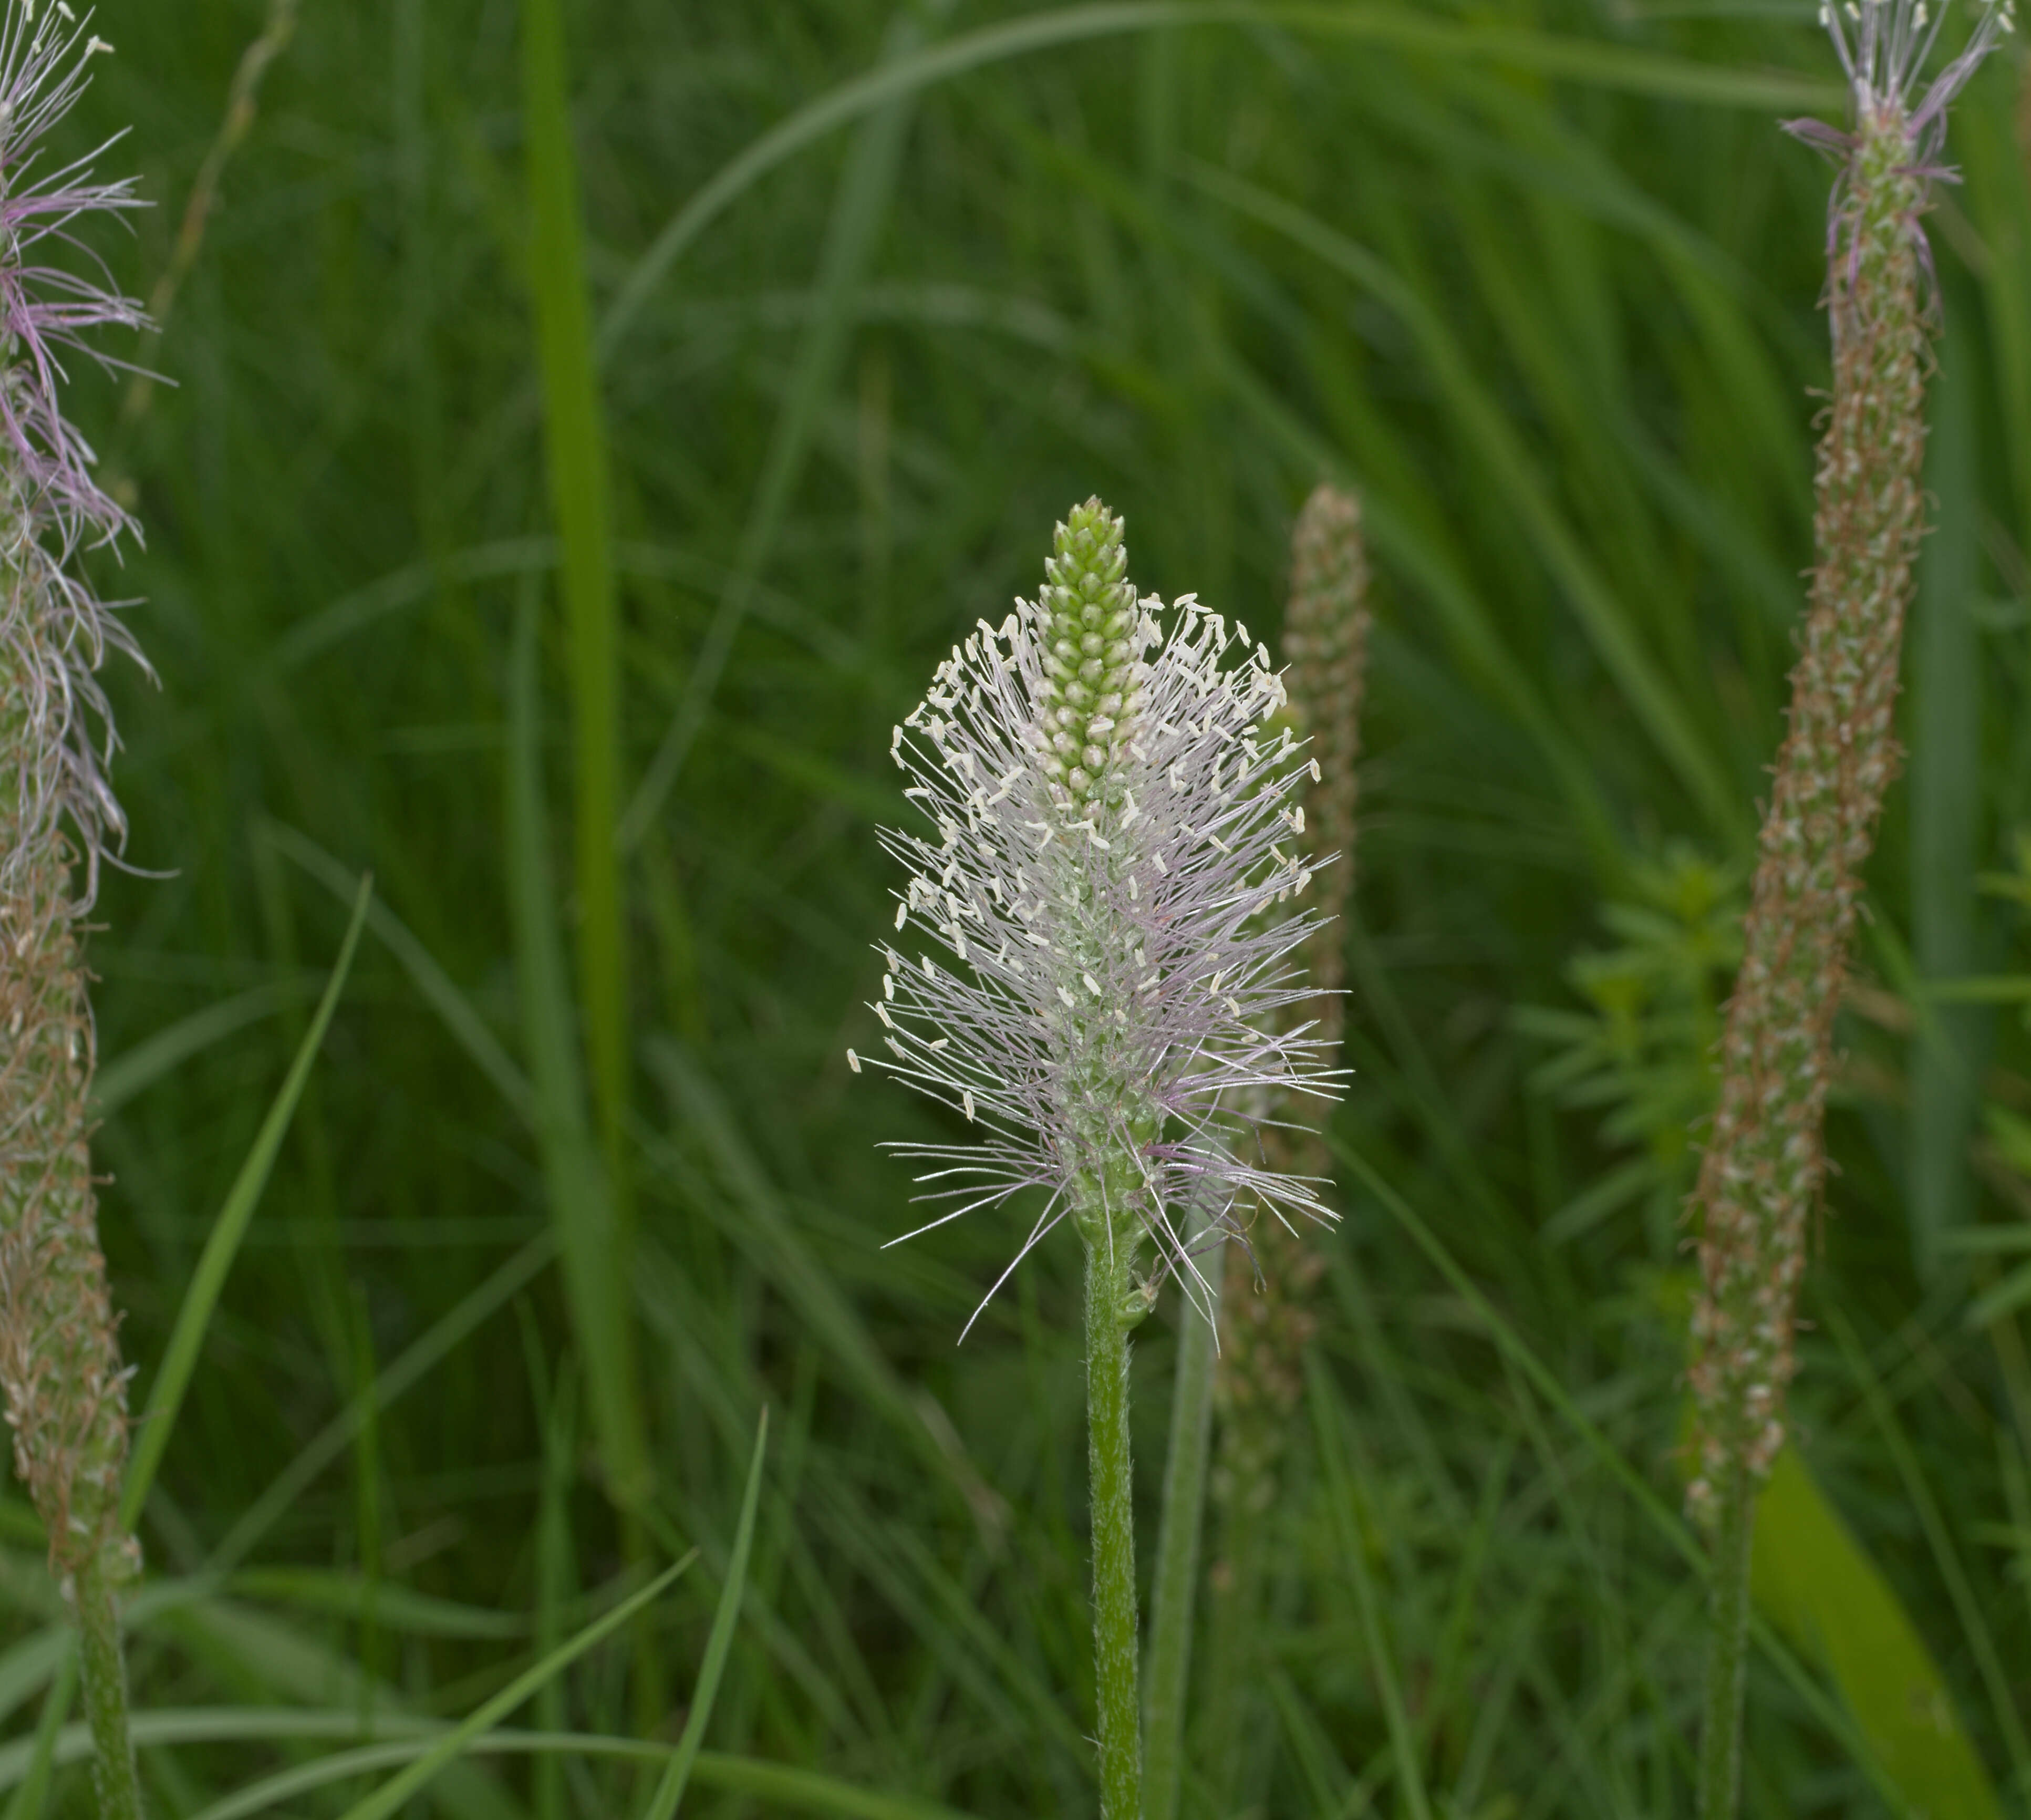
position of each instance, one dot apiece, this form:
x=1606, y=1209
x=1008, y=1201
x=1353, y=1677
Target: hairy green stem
x=1174, y=1597
x=1727, y=1648
x=1110, y=1285
x=103, y=1672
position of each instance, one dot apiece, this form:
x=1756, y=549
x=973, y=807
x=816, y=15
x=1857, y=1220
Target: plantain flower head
x=1764, y=1164
x=61, y=1382
x=1893, y=153
x=1099, y=987
x=1884, y=45
x=55, y=631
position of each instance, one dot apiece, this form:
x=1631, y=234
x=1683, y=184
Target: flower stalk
x=65, y=1387
x=1764, y=1163
x=1111, y=1293
x=1103, y=993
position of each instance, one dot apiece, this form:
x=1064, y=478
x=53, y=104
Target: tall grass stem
x=575, y=449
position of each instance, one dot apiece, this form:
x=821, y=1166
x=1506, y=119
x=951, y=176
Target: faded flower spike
x=65, y=1389
x=1764, y=1163
x=1104, y=994
x=1884, y=46
x=1266, y=1321
x=1267, y=1317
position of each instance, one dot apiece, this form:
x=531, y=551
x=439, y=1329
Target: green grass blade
x=343, y=1595
x=1605, y=619
x=486, y=1297
x=860, y=210
x=32, y=1795
x=2000, y=1300
x=556, y=1564
x=1975, y=1628
x=1815, y=1583
x=803, y=1790
x=1603, y=65
x=1469, y=624
x=763, y=1227
x=1354, y=1551
x=783, y=1787
x=670, y=1792
x=135, y=1070
x=1668, y=1526
x=454, y=1010
x=581, y=1202
x=179, y=1359
x=390, y=1798
x=575, y=450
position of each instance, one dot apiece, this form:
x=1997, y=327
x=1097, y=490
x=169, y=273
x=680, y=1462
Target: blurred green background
x=1539, y=279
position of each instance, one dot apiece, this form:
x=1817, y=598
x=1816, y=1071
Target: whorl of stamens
x=1105, y=993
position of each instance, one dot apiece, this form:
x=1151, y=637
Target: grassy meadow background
x=1539, y=278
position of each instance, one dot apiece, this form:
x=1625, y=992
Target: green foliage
x=1641, y=1054
x=874, y=291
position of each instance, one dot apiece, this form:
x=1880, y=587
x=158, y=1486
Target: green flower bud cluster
x=1091, y=653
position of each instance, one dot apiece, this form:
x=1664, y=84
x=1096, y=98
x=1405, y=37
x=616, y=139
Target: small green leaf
x=31, y=1797
x=1813, y=1581
x=390, y=1797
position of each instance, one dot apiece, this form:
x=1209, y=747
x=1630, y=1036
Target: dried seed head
x=1266, y=1317
x=1764, y=1164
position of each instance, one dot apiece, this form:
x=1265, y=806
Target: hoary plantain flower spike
x=1763, y=1162
x=65, y=1389
x=1100, y=993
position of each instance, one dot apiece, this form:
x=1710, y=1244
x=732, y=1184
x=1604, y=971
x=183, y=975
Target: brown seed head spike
x=1266, y=1323
x=1762, y=1171
x=65, y=1390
